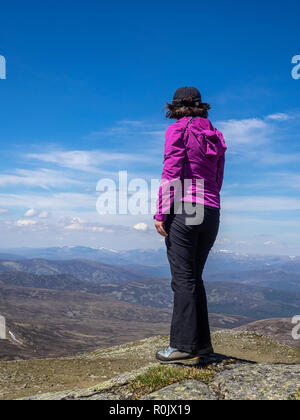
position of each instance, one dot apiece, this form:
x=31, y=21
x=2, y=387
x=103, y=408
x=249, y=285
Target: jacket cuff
x=160, y=217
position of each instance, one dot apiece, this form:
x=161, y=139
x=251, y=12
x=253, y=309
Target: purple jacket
x=193, y=151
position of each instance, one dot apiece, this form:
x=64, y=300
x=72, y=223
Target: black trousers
x=188, y=247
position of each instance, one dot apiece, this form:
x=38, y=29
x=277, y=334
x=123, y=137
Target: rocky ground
x=246, y=366
x=279, y=329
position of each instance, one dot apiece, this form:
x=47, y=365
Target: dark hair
x=187, y=109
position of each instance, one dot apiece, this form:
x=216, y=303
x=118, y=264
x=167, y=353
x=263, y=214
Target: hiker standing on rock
x=188, y=216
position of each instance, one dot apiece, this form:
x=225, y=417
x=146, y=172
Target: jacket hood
x=212, y=140
x=214, y=143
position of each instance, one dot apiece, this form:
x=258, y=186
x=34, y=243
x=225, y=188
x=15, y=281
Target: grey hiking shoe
x=172, y=355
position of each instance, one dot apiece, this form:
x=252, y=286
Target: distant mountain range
x=224, y=297
x=219, y=261
x=153, y=262
x=269, y=277
x=95, y=265
x=89, y=271
x=68, y=305
x=109, y=256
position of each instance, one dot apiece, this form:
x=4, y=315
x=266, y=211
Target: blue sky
x=86, y=83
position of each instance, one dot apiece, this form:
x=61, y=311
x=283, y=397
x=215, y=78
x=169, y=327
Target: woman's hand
x=160, y=227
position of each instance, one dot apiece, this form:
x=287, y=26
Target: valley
x=56, y=308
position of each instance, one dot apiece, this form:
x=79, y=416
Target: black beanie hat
x=187, y=96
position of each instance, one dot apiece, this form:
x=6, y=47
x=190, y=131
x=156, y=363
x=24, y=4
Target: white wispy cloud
x=141, y=227
x=244, y=220
x=128, y=127
x=88, y=228
x=290, y=181
x=270, y=243
x=30, y=213
x=25, y=223
x=260, y=203
x=280, y=116
x=272, y=158
x=88, y=160
x=246, y=131
x=54, y=201
x=4, y=211
x=131, y=123
x=76, y=224
x=44, y=178
x=43, y=214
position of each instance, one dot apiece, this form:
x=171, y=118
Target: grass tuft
x=161, y=376
x=295, y=397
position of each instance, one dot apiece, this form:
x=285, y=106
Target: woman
x=195, y=154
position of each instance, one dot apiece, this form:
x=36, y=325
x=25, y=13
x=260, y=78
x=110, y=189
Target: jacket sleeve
x=172, y=171
x=220, y=173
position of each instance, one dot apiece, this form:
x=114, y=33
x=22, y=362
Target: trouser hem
x=189, y=349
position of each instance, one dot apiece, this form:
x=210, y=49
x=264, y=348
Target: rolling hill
x=84, y=270
x=54, y=323
x=61, y=307
x=223, y=297
x=269, y=277
x=278, y=329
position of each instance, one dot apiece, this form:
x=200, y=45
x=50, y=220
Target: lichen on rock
x=262, y=381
